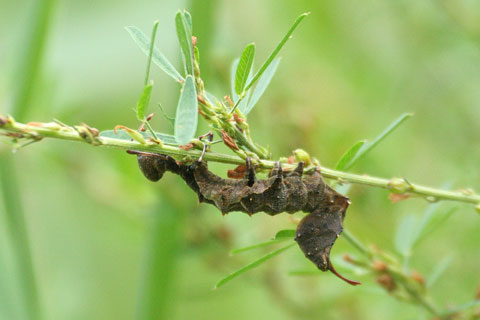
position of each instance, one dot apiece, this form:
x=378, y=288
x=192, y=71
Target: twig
x=90, y=135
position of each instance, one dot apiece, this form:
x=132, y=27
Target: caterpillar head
x=317, y=233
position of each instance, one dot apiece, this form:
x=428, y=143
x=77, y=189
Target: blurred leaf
x=368, y=146
x=211, y=98
x=144, y=101
x=122, y=135
x=252, y=265
x=150, y=53
x=347, y=157
x=276, y=51
x=281, y=236
x=403, y=237
x=262, y=85
x=438, y=270
x=244, y=67
x=305, y=273
x=157, y=57
x=158, y=276
x=186, y=116
x=184, y=35
x=460, y=308
x=433, y=218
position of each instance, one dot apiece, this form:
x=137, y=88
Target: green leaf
x=184, y=35
x=144, y=101
x=122, y=135
x=157, y=57
x=403, y=237
x=347, y=157
x=242, y=105
x=433, y=218
x=262, y=85
x=285, y=234
x=281, y=236
x=186, y=116
x=276, y=50
x=188, y=19
x=366, y=147
x=252, y=265
x=244, y=67
x=150, y=53
x=440, y=268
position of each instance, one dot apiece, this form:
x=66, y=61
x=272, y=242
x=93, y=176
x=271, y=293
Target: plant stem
x=38, y=131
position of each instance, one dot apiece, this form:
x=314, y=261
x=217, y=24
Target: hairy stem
x=38, y=131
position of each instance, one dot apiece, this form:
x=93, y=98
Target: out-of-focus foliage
x=350, y=70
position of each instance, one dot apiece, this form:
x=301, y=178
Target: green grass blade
x=347, y=157
x=244, y=67
x=368, y=146
x=144, y=101
x=186, y=116
x=252, y=265
x=262, y=85
x=150, y=54
x=276, y=51
x=122, y=135
x=157, y=57
x=184, y=35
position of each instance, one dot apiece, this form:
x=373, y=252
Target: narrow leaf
x=440, y=268
x=347, y=157
x=433, y=218
x=187, y=114
x=276, y=50
x=244, y=67
x=157, y=57
x=122, y=135
x=252, y=265
x=262, y=85
x=281, y=236
x=403, y=237
x=257, y=245
x=150, y=53
x=366, y=147
x=144, y=101
x=184, y=35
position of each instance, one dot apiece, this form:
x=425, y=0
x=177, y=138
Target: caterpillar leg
x=316, y=235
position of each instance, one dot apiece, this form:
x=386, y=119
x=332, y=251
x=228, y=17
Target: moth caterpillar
x=281, y=192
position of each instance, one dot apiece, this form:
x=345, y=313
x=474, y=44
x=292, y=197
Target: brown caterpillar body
x=280, y=192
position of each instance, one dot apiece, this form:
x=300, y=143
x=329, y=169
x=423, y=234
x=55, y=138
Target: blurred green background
x=108, y=244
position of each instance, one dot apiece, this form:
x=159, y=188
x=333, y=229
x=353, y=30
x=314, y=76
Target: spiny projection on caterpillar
x=281, y=192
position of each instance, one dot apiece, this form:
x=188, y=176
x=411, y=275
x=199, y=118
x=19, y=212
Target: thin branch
x=83, y=133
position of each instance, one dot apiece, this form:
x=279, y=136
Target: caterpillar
x=281, y=192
